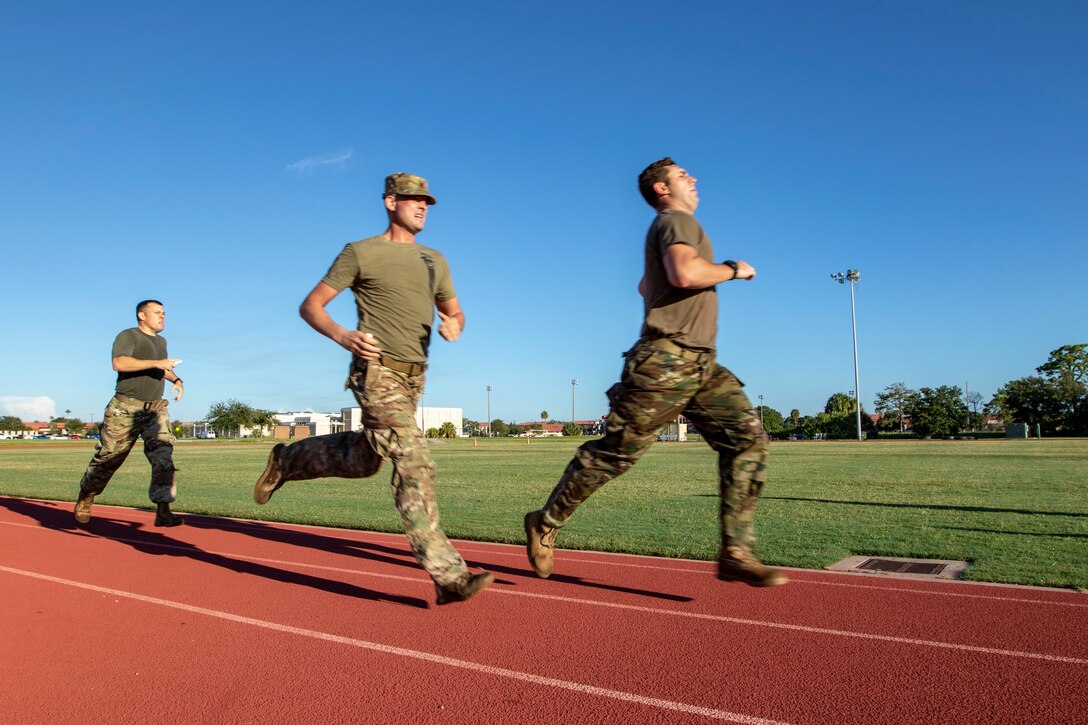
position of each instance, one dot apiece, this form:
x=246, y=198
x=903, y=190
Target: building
x=426, y=418
x=675, y=431
x=307, y=423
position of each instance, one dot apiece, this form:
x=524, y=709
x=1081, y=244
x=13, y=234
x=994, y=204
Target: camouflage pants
x=655, y=388
x=125, y=420
x=388, y=399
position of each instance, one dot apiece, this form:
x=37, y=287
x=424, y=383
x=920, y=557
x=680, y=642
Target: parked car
x=75, y=437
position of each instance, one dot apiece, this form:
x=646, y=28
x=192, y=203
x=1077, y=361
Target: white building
x=319, y=423
x=426, y=417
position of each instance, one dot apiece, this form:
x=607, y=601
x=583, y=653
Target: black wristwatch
x=731, y=263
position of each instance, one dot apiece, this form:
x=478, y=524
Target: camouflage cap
x=408, y=185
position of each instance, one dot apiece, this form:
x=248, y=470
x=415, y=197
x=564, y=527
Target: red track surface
x=241, y=621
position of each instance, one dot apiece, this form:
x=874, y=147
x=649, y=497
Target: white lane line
x=628, y=607
x=805, y=628
x=629, y=697
x=905, y=590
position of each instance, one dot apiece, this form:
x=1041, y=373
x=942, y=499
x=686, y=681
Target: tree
x=232, y=415
x=809, y=425
x=447, y=430
x=498, y=428
x=772, y=420
x=974, y=400
x=12, y=423
x=937, y=411
x=432, y=433
x=1067, y=371
x=543, y=416
x=1031, y=400
x=892, y=403
x=572, y=429
x=840, y=403
x=1067, y=361
x=75, y=426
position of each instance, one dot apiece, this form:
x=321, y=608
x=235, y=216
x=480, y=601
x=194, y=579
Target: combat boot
x=540, y=543
x=464, y=588
x=83, y=507
x=270, y=480
x=165, y=517
x=739, y=564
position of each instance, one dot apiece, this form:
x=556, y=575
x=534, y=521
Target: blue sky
x=217, y=157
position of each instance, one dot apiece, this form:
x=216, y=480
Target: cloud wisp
x=337, y=160
x=27, y=407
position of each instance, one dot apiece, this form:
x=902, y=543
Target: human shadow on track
x=396, y=556
x=153, y=542
x=931, y=507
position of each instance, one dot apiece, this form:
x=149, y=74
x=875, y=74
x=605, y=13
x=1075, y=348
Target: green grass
x=1017, y=510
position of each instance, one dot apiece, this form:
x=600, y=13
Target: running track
x=229, y=621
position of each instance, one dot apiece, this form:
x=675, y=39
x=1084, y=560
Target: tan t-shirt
x=688, y=317
x=395, y=287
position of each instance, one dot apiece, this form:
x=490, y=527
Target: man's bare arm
x=126, y=364
x=313, y=311
x=452, y=317
x=687, y=270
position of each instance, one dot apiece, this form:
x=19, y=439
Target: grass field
x=1017, y=509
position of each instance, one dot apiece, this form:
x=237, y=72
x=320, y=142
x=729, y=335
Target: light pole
x=760, y=409
x=853, y=277
x=488, y=411
x=573, y=382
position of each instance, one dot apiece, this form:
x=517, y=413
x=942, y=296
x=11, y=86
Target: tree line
x=1055, y=400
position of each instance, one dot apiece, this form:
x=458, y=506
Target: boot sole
x=83, y=517
x=775, y=582
x=263, y=491
x=531, y=520
x=479, y=583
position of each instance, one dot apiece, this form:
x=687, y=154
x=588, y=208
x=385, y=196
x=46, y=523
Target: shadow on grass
x=933, y=507
x=155, y=543
x=397, y=556
x=1014, y=533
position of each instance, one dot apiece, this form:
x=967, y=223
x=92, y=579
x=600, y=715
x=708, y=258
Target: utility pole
x=573, y=382
x=853, y=277
x=488, y=411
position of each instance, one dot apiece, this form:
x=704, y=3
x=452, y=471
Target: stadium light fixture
x=853, y=277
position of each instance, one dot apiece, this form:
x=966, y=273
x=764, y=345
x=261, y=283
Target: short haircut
x=144, y=303
x=655, y=172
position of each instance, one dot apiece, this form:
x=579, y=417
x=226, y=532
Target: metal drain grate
x=896, y=566
x=901, y=567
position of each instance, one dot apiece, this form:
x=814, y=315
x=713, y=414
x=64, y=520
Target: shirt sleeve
x=343, y=271
x=678, y=229
x=443, y=288
x=124, y=345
